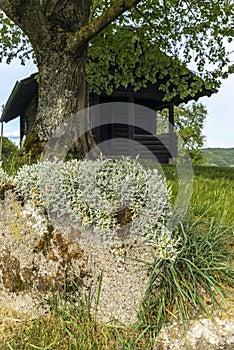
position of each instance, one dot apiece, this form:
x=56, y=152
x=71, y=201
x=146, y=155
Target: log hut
x=23, y=101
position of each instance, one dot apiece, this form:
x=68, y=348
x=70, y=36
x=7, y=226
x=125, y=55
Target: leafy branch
x=85, y=34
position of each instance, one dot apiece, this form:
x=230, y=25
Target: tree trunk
x=62, y=92
x=62, y=87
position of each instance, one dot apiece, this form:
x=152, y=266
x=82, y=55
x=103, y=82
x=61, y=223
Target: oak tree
x=114, y=42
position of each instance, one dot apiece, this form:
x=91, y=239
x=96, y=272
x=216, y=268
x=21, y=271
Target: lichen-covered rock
x=36, y=259
x=80, y=220
x=6, y=183
x=204, y=333
x=5, y=187
x=121, y=276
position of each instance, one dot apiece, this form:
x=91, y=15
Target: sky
x=218, y=128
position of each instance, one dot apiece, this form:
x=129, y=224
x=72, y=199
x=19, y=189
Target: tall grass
x=213, y=193
x=13, y=163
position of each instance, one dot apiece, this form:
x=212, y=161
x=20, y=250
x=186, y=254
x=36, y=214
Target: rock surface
x=35, y=258
x=204, y=333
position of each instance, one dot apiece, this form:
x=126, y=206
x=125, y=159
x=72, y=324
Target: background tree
x=9, y=149
x=123, y=41
x=189, y=122
x=220, y=157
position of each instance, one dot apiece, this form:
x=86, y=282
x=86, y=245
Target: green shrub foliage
x=3, y=175
x=9, y=149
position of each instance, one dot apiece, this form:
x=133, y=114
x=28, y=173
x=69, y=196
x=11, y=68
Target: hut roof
x=21, y=95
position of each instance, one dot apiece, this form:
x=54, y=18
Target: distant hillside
x=223, y=157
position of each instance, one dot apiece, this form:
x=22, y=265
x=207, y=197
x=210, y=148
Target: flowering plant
x=108, y=195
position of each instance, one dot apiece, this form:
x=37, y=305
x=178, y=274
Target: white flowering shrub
x=103, y=194
x=27, y=181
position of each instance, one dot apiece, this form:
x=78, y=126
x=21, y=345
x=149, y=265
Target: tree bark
x=61, y=94
x=62, y=85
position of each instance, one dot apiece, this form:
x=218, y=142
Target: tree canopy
x=133, y=47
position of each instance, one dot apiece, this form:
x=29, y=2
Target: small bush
x=9, y=149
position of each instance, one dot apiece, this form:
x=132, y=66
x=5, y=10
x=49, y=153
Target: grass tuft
x=196, y=281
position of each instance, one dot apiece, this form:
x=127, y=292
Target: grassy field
x=213, y=193
x=207, y=242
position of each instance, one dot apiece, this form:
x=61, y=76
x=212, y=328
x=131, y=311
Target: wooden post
x=1, y=140
x=1, y=137
x=172, y=144
x=131, y=124
x=96, y=102
x=171, y=118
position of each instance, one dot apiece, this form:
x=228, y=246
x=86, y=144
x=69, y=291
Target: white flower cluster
x=103, y=194
x=165, y=245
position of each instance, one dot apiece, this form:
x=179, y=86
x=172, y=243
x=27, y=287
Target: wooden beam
x=131, y=119
x=131, y=124
x=95, y=118
x=171, y=117
x=173, y=142
x=1, y=140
